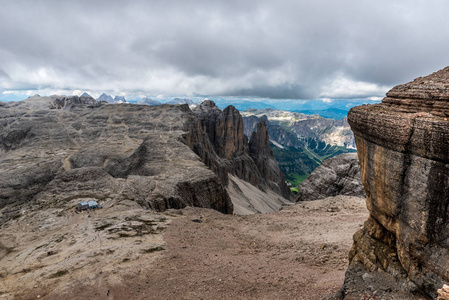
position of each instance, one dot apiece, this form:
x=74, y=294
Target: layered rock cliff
x=339, y=175
x=56, y=149
x=251, y=161
x=403, y=148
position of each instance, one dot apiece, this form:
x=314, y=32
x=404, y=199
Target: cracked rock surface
x=403, y=148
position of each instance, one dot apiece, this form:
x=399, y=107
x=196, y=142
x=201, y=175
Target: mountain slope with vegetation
x=301, y=142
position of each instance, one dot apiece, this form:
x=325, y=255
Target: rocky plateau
x=57, y=149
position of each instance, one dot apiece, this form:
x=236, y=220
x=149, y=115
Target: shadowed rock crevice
x=438, y=189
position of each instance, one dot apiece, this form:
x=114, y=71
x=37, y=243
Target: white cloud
x=343, y=87
x=285, y=49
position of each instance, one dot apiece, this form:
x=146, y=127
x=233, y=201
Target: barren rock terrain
x=55, y=149
x=299, y=252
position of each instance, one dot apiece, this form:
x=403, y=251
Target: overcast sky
x=279, y=49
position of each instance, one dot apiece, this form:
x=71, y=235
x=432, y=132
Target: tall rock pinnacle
x=252, y=162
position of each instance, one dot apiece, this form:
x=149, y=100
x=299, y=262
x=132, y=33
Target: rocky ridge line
x=251, y=161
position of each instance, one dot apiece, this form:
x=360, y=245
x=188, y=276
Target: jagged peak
x=207, y=107
x=231, y=109
x=207, y=103
x=259, y=143
x=59, y=102
x=264, y=118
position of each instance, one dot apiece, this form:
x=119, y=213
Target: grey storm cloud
x=278, y=49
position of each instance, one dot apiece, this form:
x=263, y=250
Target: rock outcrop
x=403, y=147
x=251, y=161
x=261, y=153
x=339, y=175
x=56, y=149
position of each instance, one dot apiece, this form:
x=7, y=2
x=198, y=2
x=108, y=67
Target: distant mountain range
x=331, y=113
x=148, y=101
x=333, y=109
x=109, y=99
x=181, y=101
x=143, y=101
x=301, y=142
x=328, y=108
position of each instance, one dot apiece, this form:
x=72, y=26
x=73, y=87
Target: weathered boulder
x=403, y=147
x=339, y=175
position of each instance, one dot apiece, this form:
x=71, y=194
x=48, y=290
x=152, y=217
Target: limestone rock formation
x=339, y=175
x=252, y=162
x=56, y=149
x=137, y=162
x=259, y=143
x=403, y=148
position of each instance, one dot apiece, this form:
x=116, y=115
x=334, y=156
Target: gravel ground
x=299, y=252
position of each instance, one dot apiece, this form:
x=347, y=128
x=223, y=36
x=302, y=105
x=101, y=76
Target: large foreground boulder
x=403, y=148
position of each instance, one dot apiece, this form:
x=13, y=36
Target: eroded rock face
x=261, y=153
x=339, y=175
x=56, y=149
x=252, y=162
x=403, y=148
